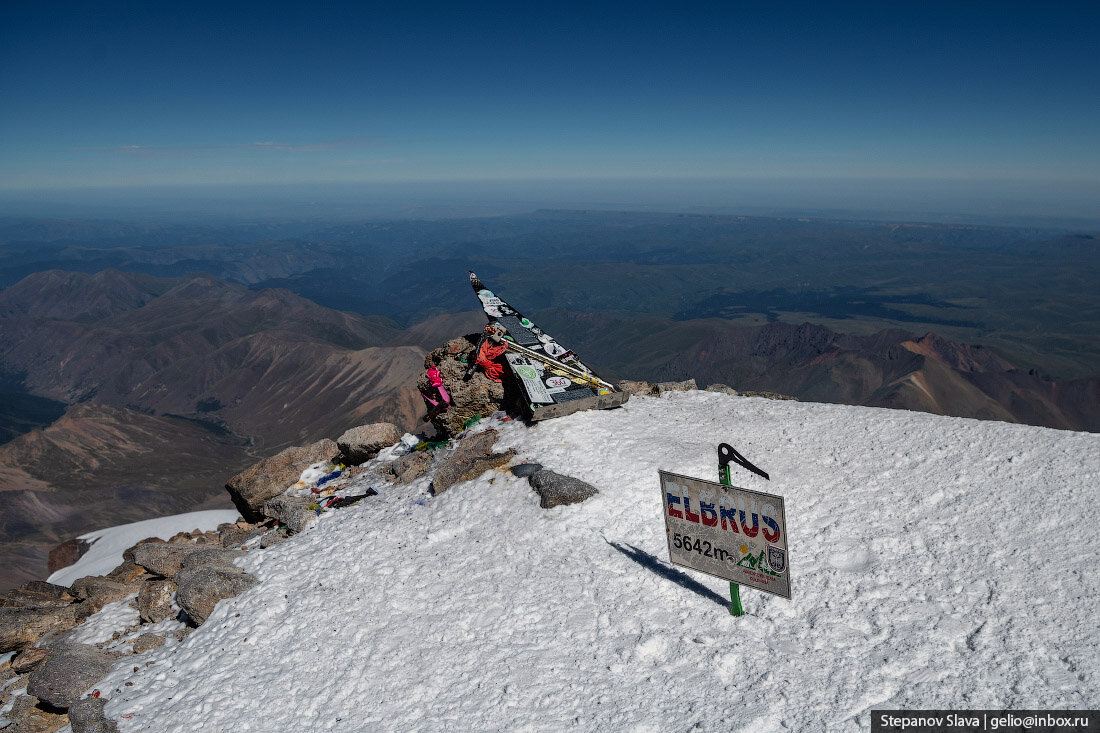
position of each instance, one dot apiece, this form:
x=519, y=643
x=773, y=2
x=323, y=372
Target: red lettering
x=688, y=515
x=709, y=515
x=673, y=512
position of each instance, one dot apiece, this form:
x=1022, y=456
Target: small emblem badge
x=777, y=559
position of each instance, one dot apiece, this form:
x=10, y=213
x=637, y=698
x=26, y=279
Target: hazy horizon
x=936, y=111
x=991, y=203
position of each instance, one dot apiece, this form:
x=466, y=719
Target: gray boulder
x=100, y=591
x=67, y=673
x=166, y=559
x=21, y=627
x=555, y=489
x=212, y=556
x=723, y=389
x=361, y=444
x=201, y=587
x=86, y=716
x=473, y=457
x=292, y=511
x=154, y=601
x=250, y=488
x=685, y=386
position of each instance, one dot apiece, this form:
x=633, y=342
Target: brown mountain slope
x=98, y=466
x=178, y=384
x=268, y=365
x=892, y=368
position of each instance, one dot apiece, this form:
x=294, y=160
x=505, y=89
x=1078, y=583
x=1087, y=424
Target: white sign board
x=732, y=533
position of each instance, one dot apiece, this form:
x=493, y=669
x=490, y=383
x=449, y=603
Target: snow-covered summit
x=935, y=562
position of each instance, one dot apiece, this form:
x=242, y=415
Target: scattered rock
x=409, y=467
x=250, y=488
x=523, y=470
x=66, y=554
x=21, y=627
x=128, y=572
x=100, y=591
x=28, y=715
x=86, y=716
x=67, y=673
x=638, y=389
x=685, y=386
x=361, y=444
x=154, y=601
x=555, y=489
x=147, y=642
x=28, y=659
x=273, y=538
x=212, y=556
x=769, y=396
x=235, y=535
x=723, y=389
x=473, y=457
x=200, y=588
x=21, y=598
x=164, y=560
x=128, y=553
x=292, y=511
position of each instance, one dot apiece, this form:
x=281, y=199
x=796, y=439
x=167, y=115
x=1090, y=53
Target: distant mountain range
x=174, y=385
x=891, y=368
x=168, y=386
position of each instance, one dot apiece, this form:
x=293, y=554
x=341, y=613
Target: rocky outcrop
x=68, y=671
x=66, y=554
x=554, y=489
x=638, y=389
x=165, y=559
x=21, y=627
x=473, y=457
x=250, y=488
x=473, y=396
x=685, y=386
x=361, y=444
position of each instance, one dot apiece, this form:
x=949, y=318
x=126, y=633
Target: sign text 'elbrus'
x=732, y=533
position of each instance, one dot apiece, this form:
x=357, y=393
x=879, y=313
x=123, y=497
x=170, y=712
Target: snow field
x=936, y=562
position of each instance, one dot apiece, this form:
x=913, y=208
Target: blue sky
x=145, y=94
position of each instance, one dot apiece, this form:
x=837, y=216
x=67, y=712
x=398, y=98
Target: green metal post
x=735, y=589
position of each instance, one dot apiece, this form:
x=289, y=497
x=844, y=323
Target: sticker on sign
x=729, y=532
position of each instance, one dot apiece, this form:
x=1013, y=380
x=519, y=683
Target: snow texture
x=105, y=554
x=936, y=562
